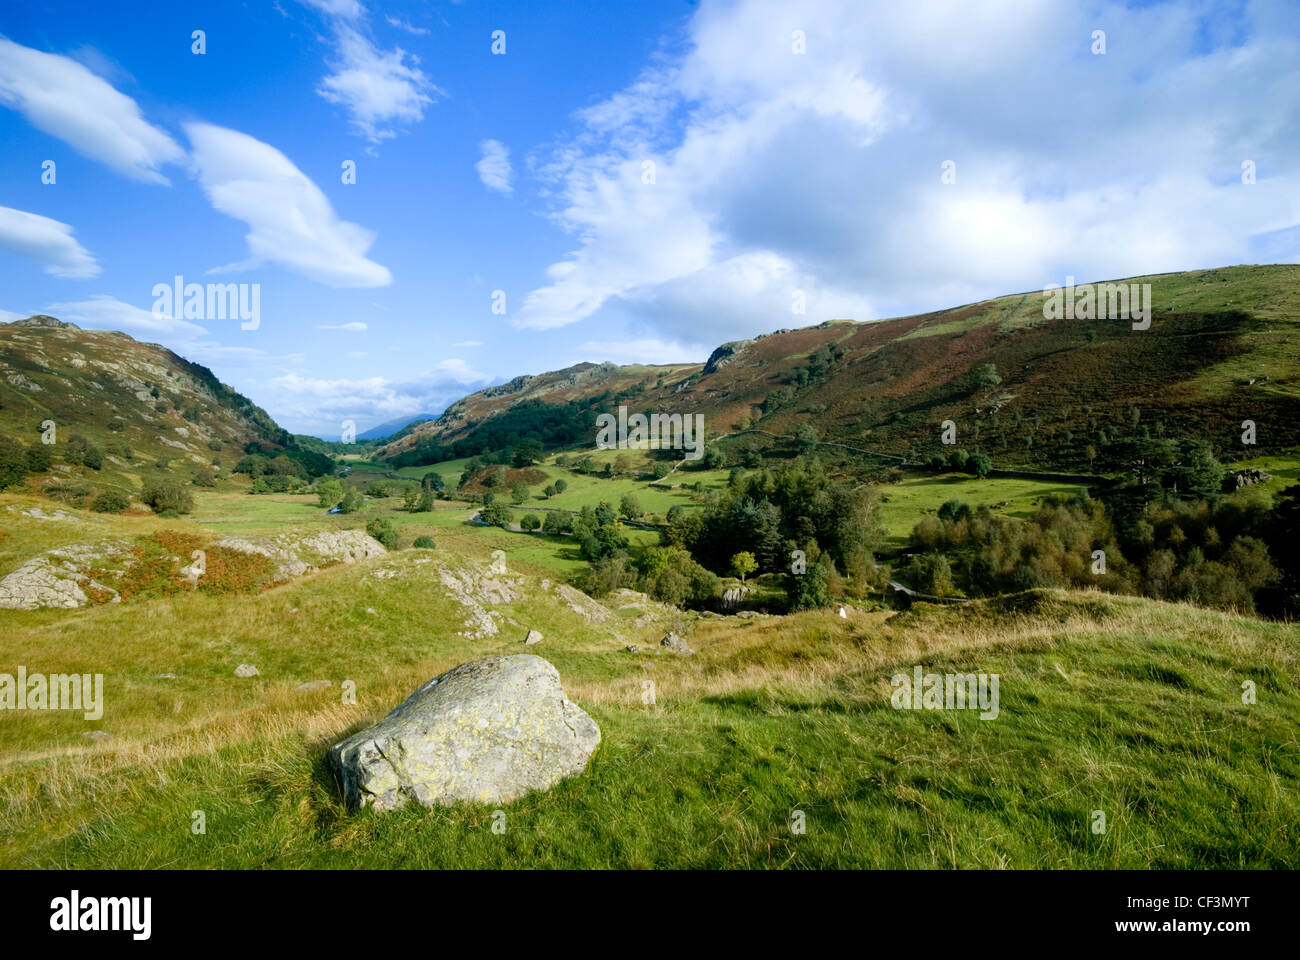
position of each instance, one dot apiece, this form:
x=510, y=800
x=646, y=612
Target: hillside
x=1223, y=346
x=122, y=395
x=1117, y=704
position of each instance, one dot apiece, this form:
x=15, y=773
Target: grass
x=1123, y=705
x=910, y=499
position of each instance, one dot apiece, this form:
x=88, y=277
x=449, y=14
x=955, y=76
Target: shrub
x=424, y=542
x=382, y=529
x=530, y=522
x=495, y=514
x=161, y=494
x=13, y=462
x=351, y=502
x=38, y=458
x=110, y=501
x=71, y=492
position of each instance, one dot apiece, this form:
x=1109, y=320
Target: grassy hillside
x=1223, y=346
x=1122, y=705
x=136, y=402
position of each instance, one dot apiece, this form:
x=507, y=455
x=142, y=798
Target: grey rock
x=246, y=670
x=313, y=685
x=166, y=676
x=487, y=731
x=533, y=637
x=676, y=644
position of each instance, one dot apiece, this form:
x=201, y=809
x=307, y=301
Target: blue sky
x=777, y=175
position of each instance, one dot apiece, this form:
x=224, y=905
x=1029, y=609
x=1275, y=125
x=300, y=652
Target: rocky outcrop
x=476, y=587
x=487, y=731
x=297, y=556
x=61, y=577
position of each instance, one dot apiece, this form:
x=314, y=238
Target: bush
x=81, y=452
x=71, y=492
x=13, y=462
x=351, y=502
x=382, y=529
x=530, y=522
x=424, y=542
x=38, y=458
x=162, y=494
x=110, y=501
x=495, y=514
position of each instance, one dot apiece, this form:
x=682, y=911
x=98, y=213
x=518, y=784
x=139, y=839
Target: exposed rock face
x=475, y=587
x=59, y=578
x=486, y=731
x=245, y=670
x=295, y=556
x=1249, y=477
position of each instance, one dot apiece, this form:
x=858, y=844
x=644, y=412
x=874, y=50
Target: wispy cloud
x=401, y=24
x=494, y=166
x=291, y=222
x=103, y=312
x=63, y=98
x=355, y=326
x=46, y=241
x=380, y=90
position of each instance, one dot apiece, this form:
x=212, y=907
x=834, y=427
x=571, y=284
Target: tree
x=528, y=452
x=561, y=485
x=629, y=506
x=557, y=523
x=980, y=465
x=495, y=515
x=530, y=522
x=714, y=459
x=519, y=492
x=985, y=376
x=328, y=492
x=351, y=501
x=744, y=564
x=808, y=591
x=805, y=435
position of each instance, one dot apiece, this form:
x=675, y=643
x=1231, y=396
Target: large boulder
x=487, y=731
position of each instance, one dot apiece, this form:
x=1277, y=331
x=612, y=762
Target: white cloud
x=469, y=343
x=641, y=351
x=494, y=166
x=775, y=171
x=47, y=241
x=401, y=24
x=355, y=326
x=64, y=99
x=380, y=90
x=320, y=404
x=103, y=312
x=8, y=316
x=291, y=222
x=348, y=9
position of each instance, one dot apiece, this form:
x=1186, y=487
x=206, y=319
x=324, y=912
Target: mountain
x=115, y=391
x=390, y=427
x=1223, y=346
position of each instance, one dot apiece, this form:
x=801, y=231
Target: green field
x=904, y=503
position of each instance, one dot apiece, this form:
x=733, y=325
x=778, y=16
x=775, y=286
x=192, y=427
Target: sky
x=432, y=197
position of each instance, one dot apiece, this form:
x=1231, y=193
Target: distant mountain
x=1223, y=346
x=116, y=391
x=390, y=427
